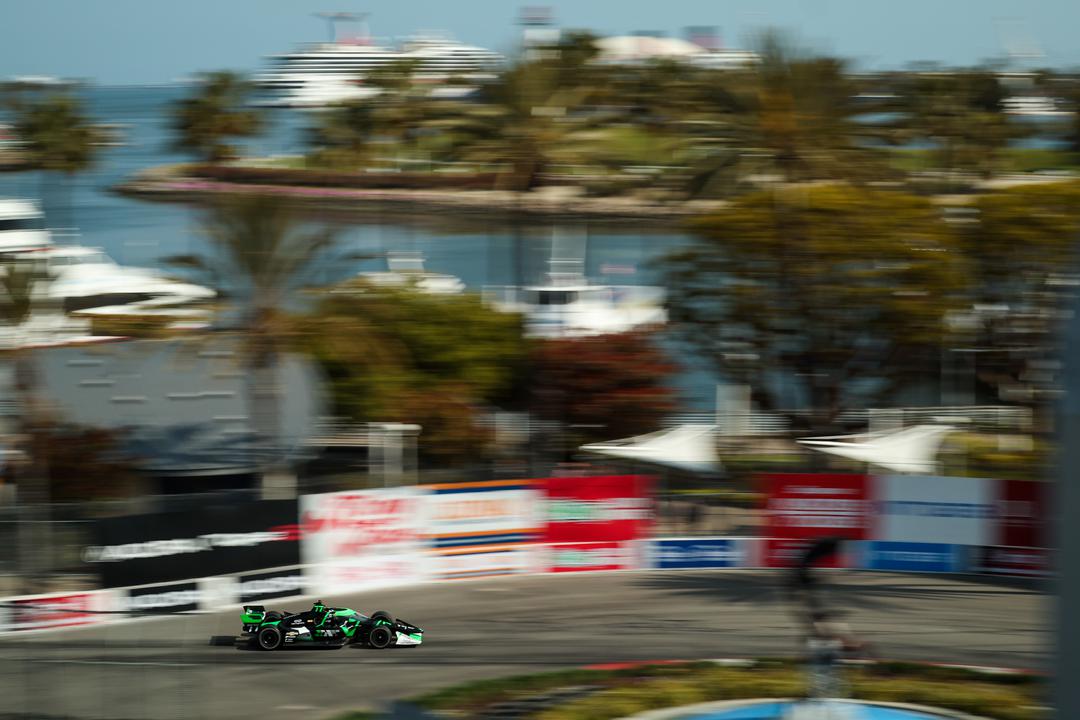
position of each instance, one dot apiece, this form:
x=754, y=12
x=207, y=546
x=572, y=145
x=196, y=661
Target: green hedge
x=649, y=687
x=301, y=177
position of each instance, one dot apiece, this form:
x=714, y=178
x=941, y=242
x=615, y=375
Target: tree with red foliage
x=602, y=387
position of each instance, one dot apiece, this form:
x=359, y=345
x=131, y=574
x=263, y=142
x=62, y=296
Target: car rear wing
x=253, y=613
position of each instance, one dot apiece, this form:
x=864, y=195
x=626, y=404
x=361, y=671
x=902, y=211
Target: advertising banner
x=935, y=509
x=217, y=539
x=477, y=529
x=1022, y=561
x=54, y=611
x=1022, y=511
x=173, y=597
x=913, y=557
x=610, y=508
x=362, y=539
x=472, y=562
x=592, y=556
x=687, y=553
x=284, y=582
x=812, y=505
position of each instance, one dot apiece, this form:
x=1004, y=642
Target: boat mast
x=333, y=18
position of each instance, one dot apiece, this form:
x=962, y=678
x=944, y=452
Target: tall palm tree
x=259, y=256
x=17, y=300
x=523, y=123
x=805, y=119
x=216, y=112
x=57, y=137
x=342, y=134
x=962, y=116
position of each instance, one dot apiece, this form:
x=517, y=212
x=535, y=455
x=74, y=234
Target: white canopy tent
x=689, y=448
x=910, y=450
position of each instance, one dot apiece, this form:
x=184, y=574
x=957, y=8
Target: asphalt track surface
x=167, y=668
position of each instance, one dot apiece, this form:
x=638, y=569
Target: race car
x=327, y=626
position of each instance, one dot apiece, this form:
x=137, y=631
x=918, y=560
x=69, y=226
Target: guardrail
x=211, y=594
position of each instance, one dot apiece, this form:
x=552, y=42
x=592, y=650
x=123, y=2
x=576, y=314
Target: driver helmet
x=318, y=606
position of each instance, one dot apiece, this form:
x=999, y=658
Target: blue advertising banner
x=913, y=557
x=698, y=553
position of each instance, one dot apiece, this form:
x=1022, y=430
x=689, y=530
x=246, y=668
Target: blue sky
x=149, y=41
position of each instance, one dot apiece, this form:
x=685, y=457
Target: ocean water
x=143, y=233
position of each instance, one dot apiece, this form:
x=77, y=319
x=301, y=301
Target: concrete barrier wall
x=366, y=540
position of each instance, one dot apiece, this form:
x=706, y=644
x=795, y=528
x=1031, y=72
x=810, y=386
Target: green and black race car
x=322, y=625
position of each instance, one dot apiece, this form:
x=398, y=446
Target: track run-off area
x=170, y=667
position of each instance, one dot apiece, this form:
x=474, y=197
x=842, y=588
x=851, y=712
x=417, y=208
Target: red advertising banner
x=591, y=556
x=1021, y=511
x=607, y=508
x=1025, y=561
x=54, y=611
x=803, y=506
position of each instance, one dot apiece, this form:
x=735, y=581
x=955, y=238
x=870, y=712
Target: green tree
x=523, y=122
x=205, y=123
x=806, y=119
x=260, y=254
x=407, y=356
x=791, y=117
x=603, y=387
x=58, y=138
x=961, y=115
x=343, y=134
x=839, y=289
x=17, y=301
x=1022, y=242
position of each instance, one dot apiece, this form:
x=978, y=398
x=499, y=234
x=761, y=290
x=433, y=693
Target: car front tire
x=380, y=637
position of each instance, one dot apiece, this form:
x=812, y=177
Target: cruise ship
x=435, y=56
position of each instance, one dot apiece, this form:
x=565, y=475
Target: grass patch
x=622, y=692
x=1011, y=160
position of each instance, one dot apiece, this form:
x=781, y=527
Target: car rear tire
x=380, y=637
x=269, y=638
x=273, y=615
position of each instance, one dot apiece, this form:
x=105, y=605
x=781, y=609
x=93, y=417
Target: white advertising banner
x=482, y=529
x=362, y=539
x=934, y=509
x=483, y=513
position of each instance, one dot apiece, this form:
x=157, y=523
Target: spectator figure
x=694, y=514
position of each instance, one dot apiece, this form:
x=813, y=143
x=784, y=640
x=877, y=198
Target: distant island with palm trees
x=560, y=133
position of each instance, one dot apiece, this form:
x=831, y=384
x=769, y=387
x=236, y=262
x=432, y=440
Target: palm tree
x=342, y=136
x=260, y=256
x=17, y=300
x=962, y=116
x=57, y=137
x=523, y=123
x=206, y=121
x=805, y=119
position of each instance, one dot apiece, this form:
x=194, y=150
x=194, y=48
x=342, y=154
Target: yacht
x=568, y=305
x=1035, y=105
x=81, y=278
x=435, y=57
x=22, y=227
x=318, y=91
x=406, y=270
